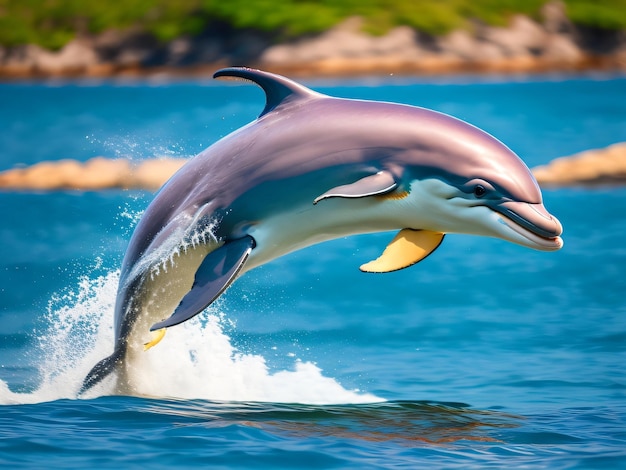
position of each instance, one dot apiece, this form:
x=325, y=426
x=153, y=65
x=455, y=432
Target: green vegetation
x=52, y=23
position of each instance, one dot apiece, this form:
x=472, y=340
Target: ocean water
x=484, y=355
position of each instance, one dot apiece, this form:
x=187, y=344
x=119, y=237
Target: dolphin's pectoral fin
x=216, y=272
x=407, y=248
x=381, y=183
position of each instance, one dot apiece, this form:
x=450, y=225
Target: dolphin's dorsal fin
x=277, y=88
x=407, y=248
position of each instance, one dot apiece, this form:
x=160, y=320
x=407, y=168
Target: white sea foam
x=195, y=359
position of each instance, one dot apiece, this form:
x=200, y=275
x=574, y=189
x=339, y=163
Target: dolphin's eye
x=479, y=190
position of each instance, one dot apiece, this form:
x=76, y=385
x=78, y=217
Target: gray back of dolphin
x=306, y=148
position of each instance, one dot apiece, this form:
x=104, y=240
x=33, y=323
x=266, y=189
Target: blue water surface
x=484, y=355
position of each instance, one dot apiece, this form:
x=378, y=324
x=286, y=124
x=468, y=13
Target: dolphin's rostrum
x=313, y=168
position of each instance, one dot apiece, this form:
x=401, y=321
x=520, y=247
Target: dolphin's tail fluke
x=101, y=370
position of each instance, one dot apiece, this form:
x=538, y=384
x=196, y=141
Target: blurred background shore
x=177, y=39
x=189, y=37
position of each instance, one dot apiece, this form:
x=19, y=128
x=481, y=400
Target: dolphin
x=313, y=168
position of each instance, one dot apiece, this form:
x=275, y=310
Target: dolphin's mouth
x=545, y=243
x=532, y=222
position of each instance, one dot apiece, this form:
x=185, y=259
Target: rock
x=101, y=173
x=207, y=50
x=128, y=49
x=243, y=47
x=76, y=56
x=62, y=174
x=48, y=175
x=152, y=174
x=620, y=53
x=92, y=175
x=138, y=50
x=188, y=51
x=347, y=42
x=522, y=37
x=401, y=40
x=179, y=50
x=22, y=56
x=462, y=44
x=592, y=167
x=555, y=20
x=561, y=48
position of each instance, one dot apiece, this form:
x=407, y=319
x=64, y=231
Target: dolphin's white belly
x=310, y=224
x=163, y=287
x=426, y=205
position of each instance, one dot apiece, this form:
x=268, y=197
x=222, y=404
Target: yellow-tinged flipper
x=157, y=336
x=407, y=248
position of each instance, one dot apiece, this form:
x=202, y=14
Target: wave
x=195, y=360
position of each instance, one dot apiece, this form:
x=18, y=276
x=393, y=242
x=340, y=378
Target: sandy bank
x=589, y=168
x=93, y=175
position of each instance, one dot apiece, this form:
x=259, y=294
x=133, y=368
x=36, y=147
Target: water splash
x=140, y=145
x=195, y=360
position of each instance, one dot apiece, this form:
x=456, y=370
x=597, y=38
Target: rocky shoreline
x=93, y=175
x=590, y=168
x=598, y=167
x=551, y=44
x=525, y=46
